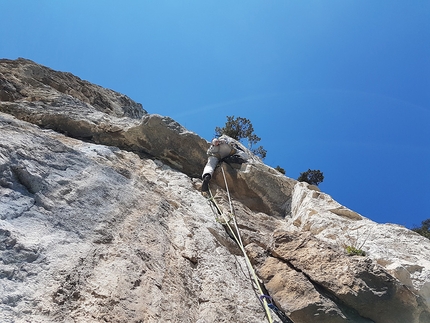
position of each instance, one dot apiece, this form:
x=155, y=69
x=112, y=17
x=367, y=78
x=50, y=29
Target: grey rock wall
x=101, y=220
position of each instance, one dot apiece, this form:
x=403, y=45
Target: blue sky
x=340, y=86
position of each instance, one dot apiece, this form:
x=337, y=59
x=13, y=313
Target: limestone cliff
x=101, y=220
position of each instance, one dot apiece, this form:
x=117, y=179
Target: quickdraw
x=284, y=318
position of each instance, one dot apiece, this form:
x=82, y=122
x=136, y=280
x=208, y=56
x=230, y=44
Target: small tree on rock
x=280, y=169
x=313, y=177
x=241, y=128
x=424, y=230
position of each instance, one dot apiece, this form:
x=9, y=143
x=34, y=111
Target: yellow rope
x=238, y=240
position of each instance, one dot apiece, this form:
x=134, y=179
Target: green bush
x=313, y=177
x=424, y=230
x=280, y=169
x=353, y=251
x=241, y=128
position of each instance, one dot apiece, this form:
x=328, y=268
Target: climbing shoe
x=206, y=180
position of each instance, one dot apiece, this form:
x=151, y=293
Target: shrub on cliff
x=424, y=230
x=241, y=128
x=313, y=177
x=280, y=169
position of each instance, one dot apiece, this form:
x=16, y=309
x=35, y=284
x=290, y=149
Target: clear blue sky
x=340, y=86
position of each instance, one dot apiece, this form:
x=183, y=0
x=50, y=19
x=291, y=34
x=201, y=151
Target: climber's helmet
x=215, y=142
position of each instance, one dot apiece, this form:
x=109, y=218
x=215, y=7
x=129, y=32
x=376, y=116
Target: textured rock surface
x=90, y=232
x=402, y=252
x=101, y=220
x=22, y=79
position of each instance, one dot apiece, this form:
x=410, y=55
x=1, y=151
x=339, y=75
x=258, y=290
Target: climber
x=222, y=148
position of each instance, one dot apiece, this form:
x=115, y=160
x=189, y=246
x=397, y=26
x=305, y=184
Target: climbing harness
x=229, y=220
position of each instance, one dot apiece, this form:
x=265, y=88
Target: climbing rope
x=236, y=236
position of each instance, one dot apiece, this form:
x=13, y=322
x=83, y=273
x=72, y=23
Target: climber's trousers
x=210, y=166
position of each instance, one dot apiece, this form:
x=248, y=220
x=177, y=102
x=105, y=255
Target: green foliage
x=280, y=169
x=353, y=246
x=424, y=230
x=259, y=151
x=241, y=128
x=353, y=251
x=313, y=177
x=238, y=128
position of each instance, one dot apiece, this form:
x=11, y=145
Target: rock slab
x=101, y=220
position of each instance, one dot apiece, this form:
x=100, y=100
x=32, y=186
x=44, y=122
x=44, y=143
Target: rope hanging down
x=265, y=300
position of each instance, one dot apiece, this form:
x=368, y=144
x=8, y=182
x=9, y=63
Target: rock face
x=101, y=220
